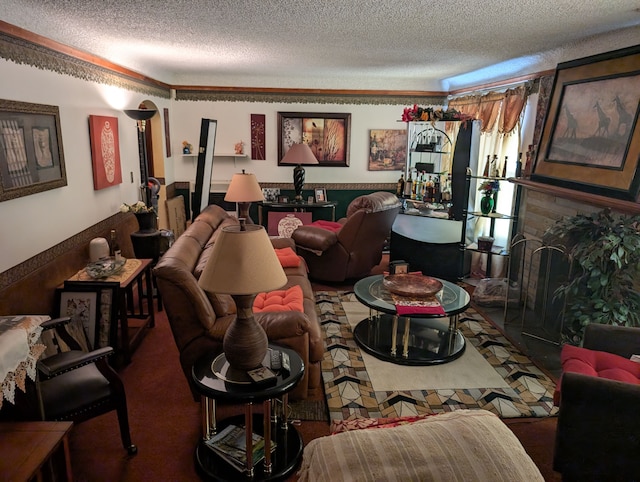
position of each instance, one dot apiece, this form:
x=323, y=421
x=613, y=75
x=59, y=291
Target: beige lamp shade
x=300, y=154
x=244, y=187
x=242, y=262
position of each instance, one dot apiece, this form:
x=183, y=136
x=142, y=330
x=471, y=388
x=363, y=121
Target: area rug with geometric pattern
x=521, y=390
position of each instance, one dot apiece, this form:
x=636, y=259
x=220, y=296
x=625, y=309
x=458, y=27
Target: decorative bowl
x=413, y=285
x=104, y=267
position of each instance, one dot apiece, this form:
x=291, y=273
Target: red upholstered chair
x=352, y=246
x=598, y=432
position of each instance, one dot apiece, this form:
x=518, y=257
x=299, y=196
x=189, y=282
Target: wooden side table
x=35, y=451
x=129, y=305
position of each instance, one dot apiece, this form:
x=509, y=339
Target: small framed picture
x=283, y=199
x=310, y=199
x=321, y=194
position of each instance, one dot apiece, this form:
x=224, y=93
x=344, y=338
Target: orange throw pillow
x=287, y=257
x=280, y=300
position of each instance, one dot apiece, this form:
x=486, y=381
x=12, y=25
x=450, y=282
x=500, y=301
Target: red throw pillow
x=328, y=225
x=287, y=257
x=280, y=300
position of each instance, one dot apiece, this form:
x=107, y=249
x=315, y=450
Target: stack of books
x=230, y=444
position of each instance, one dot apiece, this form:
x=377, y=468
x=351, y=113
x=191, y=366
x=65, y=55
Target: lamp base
x=245, y=343
x=298, y=181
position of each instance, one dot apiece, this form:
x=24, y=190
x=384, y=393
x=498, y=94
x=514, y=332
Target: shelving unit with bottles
x=427, y=182
x=427, y=234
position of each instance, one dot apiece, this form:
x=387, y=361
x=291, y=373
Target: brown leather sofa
x=199, y=320
x=355, y=246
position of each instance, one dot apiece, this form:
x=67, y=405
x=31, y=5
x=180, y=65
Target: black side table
x=216, y=381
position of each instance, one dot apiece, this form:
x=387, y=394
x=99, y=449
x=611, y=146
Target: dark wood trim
x=619, y=205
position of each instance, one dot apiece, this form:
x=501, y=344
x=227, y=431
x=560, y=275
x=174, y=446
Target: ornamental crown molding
x=22, y=51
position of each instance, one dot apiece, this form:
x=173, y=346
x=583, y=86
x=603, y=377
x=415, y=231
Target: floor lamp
x=142, y=116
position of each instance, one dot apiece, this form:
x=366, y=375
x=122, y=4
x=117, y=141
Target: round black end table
x=215, y=380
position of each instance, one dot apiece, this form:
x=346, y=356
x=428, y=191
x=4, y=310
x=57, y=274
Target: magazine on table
x=230, y=444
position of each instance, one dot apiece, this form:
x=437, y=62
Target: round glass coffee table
x=419, y=339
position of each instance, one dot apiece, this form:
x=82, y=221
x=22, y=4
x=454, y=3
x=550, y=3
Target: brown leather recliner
x=356, y=245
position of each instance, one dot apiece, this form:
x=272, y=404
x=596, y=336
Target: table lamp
x=242, y=264
x=244, y=189
x=299, y=154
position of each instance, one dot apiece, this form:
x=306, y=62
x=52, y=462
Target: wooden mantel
x=629, y=207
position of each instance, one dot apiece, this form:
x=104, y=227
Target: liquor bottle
x=417, y=188
x=486, y=167
x=519, y=165
x=494, y=166
x=408, y=186
x=437, y=195
x=504, y=167
x=400, y=187
x=114, y=247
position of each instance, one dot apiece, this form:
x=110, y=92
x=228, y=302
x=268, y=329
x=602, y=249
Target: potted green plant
x=604, y=252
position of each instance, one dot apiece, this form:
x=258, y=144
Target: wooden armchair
x=76, y=385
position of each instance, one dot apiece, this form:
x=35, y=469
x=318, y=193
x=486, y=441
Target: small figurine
x=186, y=147
x=239, y=147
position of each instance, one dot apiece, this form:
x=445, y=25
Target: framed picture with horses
x=590, y=139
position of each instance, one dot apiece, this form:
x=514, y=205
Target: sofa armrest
x=620, y=340
x=313, y=238
x=279, y=243
x=598, y=427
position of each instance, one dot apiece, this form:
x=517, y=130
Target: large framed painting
x=31, y=155
x=590, y=139
x=326, y=134
x=105, y=151
x=387, y=149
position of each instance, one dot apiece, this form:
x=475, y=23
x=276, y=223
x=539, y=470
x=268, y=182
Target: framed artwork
x=31, y=155
x=105, y=151
x=311, y=199
x=590, y=139
x=321, y=194
x=326, y=134
x=387, y=149
x=82, y=306
x=283, y=199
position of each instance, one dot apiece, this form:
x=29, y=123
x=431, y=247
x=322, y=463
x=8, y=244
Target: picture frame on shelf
x=283, y=198
x=321, y=194
x=327, y=134
x=105, y=151
x=31, y=153
x=591, y=136
x=310, y=199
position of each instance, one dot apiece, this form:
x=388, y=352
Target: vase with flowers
x=187, y=148
x=146, y=215
x=489, y=188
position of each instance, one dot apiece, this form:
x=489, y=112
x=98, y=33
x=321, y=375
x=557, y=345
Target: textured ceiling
x=363, y=44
